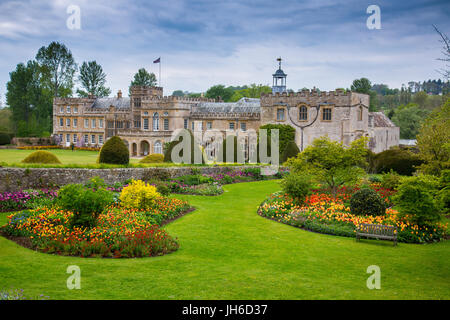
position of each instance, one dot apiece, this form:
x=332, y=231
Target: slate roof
x=119, y=103
x=381, y=120
x=244, y=105
x=279, y=73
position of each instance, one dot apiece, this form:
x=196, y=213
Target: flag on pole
x=159, y=61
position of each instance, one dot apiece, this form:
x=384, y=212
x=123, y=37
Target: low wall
x=16, y=179
x=31, y=141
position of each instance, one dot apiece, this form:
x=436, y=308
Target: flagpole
x=160, y=72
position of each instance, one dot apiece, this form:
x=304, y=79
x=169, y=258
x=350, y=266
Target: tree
x=433, y=141
x=178, y=93
x=92, y=79
x=29, y=100
x=219, y=92
x=331, y=163
x=445, y=51
x=5, y=120
x=144, y=78
x=363, y=85
x=254, y=91
x=409, y=118
x=58, y=67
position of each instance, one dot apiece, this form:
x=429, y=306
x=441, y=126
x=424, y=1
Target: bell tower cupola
x=279, y=79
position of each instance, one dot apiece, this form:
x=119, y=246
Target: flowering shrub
x=12, y=201
x=138, y=195
x=85, y=203
x=321, y=213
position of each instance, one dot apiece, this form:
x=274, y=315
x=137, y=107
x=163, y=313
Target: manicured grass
x=227, y=251
x=65, y=156
x=77, y=159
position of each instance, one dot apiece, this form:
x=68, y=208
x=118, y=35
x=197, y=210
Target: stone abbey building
x=147, y=119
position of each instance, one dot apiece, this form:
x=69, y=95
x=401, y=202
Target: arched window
x=156, y=121
x=360, y=113
x=303, y=113
x=157, y=147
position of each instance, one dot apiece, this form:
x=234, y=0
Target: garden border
x=16, y=179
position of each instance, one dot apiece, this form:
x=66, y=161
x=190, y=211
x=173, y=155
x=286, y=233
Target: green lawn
x=229, y=252
x=65, y=156
x=81, y=157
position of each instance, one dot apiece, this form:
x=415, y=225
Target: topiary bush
x=298, y=186
x=399, y=160
x=286, y=133
x=291, y=151
x=4, y=138
x=415, y=199
x=176, y=141
x=114, y=151
x=153, y=158
x=85, y=203
x=42, y=156
x=367, y=202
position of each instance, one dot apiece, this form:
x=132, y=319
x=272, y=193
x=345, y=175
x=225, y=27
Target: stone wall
x=15, y=179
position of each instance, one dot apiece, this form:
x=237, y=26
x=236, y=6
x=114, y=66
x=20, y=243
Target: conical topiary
x=114, y=151
x=290, y=151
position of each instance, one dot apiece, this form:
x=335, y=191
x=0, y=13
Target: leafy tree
x=433, y=140
x=445, y=51
x=219, y=92
x=254, y=91
x=331, y=163
x=409, y=118
x=5, y=120
x=92, y=79
x=363, y=85
x=178, y=93
x=144, y=78
x=58, y=67
x=29, y=100
x=415, y=199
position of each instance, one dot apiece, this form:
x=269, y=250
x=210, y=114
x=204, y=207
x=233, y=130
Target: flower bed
x=211, y=184
x=13, y=201
x=119, y=232
x=322, y=214
x=58, y=147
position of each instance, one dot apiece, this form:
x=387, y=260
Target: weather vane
x=279, y=61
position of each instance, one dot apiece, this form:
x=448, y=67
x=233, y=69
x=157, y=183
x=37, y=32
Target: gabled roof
x=119, y=103
x=244, y=105
x=380, y=120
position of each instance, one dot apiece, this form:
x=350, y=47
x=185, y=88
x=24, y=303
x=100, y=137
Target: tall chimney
x=119, y=94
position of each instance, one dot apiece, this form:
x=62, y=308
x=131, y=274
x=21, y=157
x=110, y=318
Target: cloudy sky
x=324, y=43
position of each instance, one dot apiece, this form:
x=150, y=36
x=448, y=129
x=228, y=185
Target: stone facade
x=147, y=119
